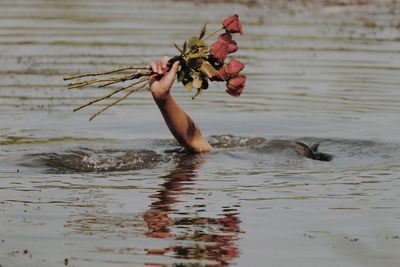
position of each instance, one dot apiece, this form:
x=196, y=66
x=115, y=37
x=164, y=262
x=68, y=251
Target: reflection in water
x=177, y=225
x=214, y=237
x=194, y=234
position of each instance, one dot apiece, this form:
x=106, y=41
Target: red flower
x=227, y=38
x=224, y=46
x=222, y=74
x=232, y=24
x=216, y=77
x=231, y=70
x=219, y=50
x=236, y=85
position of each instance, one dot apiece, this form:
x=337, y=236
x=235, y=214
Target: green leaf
x=181, y=75
x=189, y=86
x=203, y=52
x=192, y=41
x=193, y=55
x=199, y=91
x=201, y=43
x=187, y=79
x=177, y=47
x=208, y=69
x=203, y=31
x=197, y=82
x=195, y=63
x=204, y=84
x=184, y=47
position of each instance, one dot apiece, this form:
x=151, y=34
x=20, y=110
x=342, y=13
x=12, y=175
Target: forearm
x=182, y=127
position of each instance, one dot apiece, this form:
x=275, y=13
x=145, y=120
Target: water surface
x=115, y=191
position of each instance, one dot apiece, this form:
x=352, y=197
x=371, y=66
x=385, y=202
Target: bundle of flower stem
x=144, y=73
x=198, y=64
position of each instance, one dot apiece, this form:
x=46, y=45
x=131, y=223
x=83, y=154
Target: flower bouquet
x=199, y=64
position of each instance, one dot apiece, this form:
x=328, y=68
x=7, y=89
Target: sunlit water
x=116, y=192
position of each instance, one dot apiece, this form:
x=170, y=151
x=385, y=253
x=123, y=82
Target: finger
x=172, y=73
x=153, y=66
x=159, y=67
x=174, y=68
x=165, y=61
x=153, y=79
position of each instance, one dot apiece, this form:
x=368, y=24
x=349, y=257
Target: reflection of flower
x=217, y=244
x=159, y=224
x=223, y=250
x=232, y=24
x=236, y=85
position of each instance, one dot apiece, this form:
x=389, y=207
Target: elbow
x=202, y=150
x=201, y=147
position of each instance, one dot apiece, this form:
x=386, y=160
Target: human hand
x=161, y=84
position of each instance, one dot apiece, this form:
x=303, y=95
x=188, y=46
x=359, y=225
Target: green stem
x=211, y=34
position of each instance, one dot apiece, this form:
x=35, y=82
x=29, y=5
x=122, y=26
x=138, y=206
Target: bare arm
x=182, y=127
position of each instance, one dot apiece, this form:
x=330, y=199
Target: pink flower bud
x=236, y=85
x=219, y=50
x=230, y=70
x=232, y=24
x=227, y=38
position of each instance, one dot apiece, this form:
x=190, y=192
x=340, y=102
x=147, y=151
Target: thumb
x=170, y=77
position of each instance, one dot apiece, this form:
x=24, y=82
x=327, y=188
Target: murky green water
x=327, y=75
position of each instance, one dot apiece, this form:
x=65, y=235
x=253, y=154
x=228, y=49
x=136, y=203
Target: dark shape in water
x=88, y=160
x=108, y=160
x=312, y=152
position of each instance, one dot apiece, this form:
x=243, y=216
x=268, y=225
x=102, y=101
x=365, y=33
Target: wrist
x=160, y=98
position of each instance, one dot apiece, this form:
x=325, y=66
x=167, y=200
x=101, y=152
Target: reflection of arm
x=182, y=127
